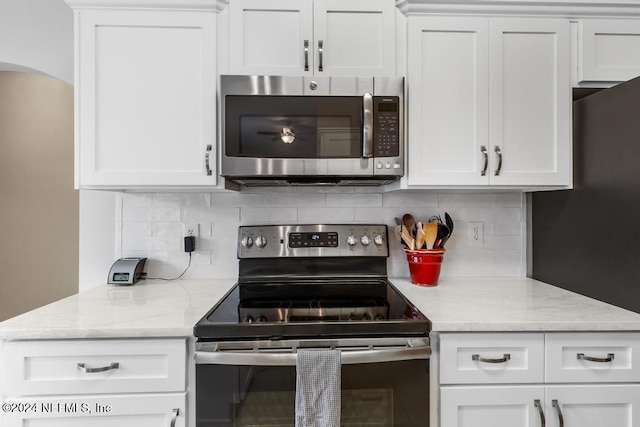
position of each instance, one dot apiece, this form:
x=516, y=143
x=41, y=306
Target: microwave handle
x=367, y=125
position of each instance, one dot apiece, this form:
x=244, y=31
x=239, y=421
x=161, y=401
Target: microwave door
x=293, y=127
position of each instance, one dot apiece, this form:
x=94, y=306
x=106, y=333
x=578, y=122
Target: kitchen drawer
x=110, y=366
x=123, y=410
x=484, y=358
x=615, y=357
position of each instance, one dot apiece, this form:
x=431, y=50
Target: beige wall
x=38, y=205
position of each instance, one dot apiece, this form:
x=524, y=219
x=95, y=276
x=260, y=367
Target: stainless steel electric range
x=319, y=287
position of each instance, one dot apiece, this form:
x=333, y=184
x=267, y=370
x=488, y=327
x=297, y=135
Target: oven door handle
x=271, y=358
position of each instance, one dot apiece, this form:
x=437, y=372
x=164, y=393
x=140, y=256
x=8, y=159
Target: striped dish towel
x=318, y=388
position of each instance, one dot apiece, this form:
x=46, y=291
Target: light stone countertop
x=512, y=304
x=153, y=308
x=171, y=309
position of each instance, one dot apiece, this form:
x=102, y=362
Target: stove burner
x=312, y=309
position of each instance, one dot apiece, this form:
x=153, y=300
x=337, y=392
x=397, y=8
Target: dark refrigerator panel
x=587, y=240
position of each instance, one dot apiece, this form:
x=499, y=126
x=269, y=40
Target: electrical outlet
x=476, y=234
x=192, y=229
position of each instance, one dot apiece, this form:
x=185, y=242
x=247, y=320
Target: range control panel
x=316, y=240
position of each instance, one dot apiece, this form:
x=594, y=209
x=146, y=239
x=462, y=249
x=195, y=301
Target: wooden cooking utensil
x=419, y=236
x=398, y=231
x=410, y=222
x=430, y=233
x=408, y=239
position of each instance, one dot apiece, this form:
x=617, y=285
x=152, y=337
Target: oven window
x=392, y=394
x=314, y=127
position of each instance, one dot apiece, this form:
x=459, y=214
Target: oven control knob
x=247, y=319
x=379, y=317
x=365, y=240
x=247, y=241
x=261, y=319
x=261, y=241
x=377, y=239
x=366, y=317
x=351, y=240
x=353, y=316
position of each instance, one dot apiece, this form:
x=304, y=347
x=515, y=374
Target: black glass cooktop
x=312, y=309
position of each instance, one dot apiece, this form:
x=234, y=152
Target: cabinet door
x=609, y=50
x=448, y=98
x=269, y=37
x=530, y=105
x=593, y=406
x=354, y=38
x=140, y=410
x=146, y=98
x=491, y=406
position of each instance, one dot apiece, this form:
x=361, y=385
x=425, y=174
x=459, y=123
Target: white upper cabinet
x=530, y=102
x=489, y=102
x=608, y=50
x=145, y=98
x=307, y=37
x=448, y=100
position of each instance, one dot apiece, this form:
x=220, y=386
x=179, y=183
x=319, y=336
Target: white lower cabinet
x=166, y=410
x=505, y=379
x=486, y=406
x=94, y=383
x=544, y=406
x=593, y=405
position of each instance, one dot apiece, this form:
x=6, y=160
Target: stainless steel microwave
x=311, y=130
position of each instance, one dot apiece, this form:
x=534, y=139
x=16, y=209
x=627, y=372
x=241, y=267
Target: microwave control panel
x=386, y=132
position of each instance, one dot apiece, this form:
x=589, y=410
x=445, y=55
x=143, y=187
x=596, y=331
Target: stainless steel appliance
x=568, y=249
x=320, y=287
x=312, y=130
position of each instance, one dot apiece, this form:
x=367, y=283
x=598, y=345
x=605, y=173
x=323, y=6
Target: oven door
x=385, y=382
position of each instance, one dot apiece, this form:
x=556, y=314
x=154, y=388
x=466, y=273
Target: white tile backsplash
x=151, y=225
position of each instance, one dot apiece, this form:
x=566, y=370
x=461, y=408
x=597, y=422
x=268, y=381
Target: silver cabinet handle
x=174, y=417
x=320, y=46
x=306, y=55
x=499, y=153
x=556, y=405
x=538, y=405
x=112, y=366
x=506, y=357
x=206, y=160
x=367, y=125
x=607, y=359
x=485, y=156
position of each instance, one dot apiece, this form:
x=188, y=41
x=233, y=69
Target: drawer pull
x=111, y=367
x=538, y=406
x=556, y=405
x=607, y=359
x=174, y=417
x=503, y=359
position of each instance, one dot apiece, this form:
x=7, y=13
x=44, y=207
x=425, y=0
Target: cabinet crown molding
x=564, y=8
x=206, y=5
